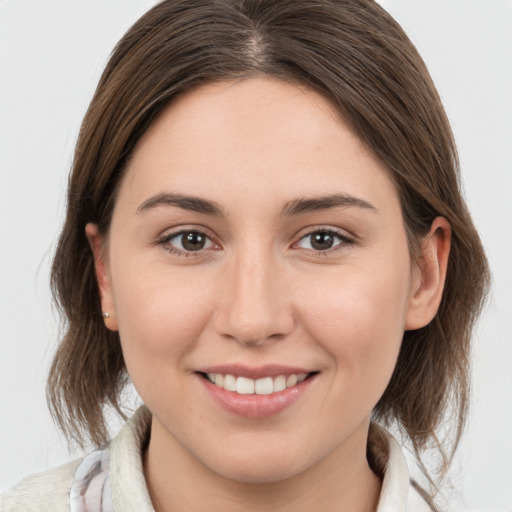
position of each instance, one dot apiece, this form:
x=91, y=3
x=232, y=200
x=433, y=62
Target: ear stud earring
x=106, y=315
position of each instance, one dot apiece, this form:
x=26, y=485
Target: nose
x=254, y=304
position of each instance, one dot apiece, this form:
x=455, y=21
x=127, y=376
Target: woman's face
x=255, y=242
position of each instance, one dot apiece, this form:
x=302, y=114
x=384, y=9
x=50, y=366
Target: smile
x=263, y=386
x=256, y=392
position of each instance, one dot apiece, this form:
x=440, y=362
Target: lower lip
x=257, y=406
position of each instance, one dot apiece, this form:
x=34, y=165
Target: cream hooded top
x=112, y=480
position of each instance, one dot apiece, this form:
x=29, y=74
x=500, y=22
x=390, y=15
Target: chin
x=264, y=467
x=259, y=474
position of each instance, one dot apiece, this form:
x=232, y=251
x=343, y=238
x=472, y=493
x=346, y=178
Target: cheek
x=161, y=315
x=358, y=317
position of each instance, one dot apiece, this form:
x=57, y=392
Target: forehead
x=255, y=136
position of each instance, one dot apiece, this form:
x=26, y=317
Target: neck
x=178, y=481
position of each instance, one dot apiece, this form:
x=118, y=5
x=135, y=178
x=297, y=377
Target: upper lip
x=254, y=372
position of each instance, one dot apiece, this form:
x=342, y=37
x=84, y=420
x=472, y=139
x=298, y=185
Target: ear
x=429, y=276
x=97, y=243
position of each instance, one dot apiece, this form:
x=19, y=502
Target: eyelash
x=343, y=240
x=165, y=242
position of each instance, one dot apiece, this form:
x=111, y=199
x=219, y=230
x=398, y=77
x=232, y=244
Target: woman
x=265, y=234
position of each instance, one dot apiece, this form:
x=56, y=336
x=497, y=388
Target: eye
x=323, y=240
x=187, y=241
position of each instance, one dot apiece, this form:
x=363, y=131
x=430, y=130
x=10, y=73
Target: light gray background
x=51, y=56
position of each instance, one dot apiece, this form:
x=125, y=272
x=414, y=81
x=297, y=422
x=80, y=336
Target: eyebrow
x=304, y=205
x=190, y=203
x=294, y=207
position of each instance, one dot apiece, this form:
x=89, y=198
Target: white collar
x=113, y=478
x=395, y=485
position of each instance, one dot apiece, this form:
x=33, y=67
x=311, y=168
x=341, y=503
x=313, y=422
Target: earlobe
x=96, y=242
x=428, y=283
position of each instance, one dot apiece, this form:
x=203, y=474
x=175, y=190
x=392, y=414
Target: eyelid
x=168, y=235
x=164, y=239
x=345, y=239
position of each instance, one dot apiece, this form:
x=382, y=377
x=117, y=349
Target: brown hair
x=357, y=56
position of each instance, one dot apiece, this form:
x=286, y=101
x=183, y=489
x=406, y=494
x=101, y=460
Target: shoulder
x=398, y=493
x=44, y=491
x=109, y=478
x=415, y=501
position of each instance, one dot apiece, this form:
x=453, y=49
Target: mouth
x=262, y=386
x=256, y=393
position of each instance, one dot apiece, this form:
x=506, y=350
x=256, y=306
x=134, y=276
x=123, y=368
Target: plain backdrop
x=51, y=56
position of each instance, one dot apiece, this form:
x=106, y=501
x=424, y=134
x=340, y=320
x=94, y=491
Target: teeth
x=264, y=386
x=291, y=380
x=229, y=383
x=279, y=383
x=244, y=386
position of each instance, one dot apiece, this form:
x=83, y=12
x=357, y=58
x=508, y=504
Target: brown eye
x=188, y=241
x=193, y=241
x=322, y=240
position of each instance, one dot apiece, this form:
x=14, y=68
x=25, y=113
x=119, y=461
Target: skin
x=259, y=293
